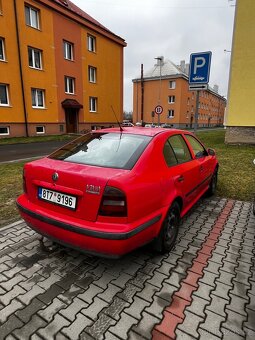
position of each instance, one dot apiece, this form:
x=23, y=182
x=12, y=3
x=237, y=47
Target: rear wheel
x=169, y=230
x=213, y=184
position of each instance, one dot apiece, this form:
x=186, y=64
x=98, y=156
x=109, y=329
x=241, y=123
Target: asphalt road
x=15, y=152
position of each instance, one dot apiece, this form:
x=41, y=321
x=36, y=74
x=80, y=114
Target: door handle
x=201, y=168
x=180, y=178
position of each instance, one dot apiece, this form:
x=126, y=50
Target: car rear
x=78, y=195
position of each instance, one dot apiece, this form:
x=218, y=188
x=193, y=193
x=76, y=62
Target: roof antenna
x=117, y=119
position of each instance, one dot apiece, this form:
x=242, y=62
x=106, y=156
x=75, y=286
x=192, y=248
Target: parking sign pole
x=196, y=111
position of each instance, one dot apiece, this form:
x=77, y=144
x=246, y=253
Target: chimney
x=182, y=66
x=187, y=69
x=160, y=61
x=216, y=88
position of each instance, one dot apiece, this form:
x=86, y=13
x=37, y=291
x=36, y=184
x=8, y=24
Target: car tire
x=169, y=230
x=213, y=184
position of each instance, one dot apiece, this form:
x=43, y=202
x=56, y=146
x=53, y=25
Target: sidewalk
x=203, y=289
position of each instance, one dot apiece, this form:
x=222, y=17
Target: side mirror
x=211, y=152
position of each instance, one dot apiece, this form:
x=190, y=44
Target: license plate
x=57, y=198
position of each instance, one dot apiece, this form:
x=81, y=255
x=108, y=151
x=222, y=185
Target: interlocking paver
x=29, y=328
x=146, y=325
x=53, y=327
x=204, y=288
x=190, y=324
x=93, y=309
x=10, y=309
x=76, y=327
x=122, y=327
x=51, y=309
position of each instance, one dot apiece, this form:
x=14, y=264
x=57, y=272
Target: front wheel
x=169, y=230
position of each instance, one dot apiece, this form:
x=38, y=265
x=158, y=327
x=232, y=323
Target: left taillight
x=24, y=181
x=113, y=203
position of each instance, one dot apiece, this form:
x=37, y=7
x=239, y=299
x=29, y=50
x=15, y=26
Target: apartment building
x=56, y=69
x=166, y=84
x=240, y=117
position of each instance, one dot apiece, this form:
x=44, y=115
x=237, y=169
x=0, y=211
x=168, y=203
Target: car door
x=183, y=170
x=204, y=161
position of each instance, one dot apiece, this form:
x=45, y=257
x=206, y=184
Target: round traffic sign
x=158, y=109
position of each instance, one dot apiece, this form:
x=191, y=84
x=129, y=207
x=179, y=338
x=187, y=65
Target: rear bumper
x=85, y=237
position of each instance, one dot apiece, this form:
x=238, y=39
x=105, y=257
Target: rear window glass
x=113, y=150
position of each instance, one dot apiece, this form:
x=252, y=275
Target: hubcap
x=170, y=228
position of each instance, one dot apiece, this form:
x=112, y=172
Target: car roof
x=145, y=131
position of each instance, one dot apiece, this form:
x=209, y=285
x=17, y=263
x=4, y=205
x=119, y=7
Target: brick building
x=167, y=84
x=56, y=66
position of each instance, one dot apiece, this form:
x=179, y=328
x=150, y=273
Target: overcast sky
x=170, y=28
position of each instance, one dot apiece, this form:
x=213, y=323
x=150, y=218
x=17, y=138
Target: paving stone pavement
x=203, y=289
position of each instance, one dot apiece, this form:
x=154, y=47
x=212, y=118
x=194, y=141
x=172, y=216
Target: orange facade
x=56, y=67
x=179, y=104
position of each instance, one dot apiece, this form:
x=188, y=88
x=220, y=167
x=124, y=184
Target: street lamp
x=160, y=77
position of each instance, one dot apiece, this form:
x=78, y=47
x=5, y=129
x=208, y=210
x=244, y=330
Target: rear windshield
x=112, y=150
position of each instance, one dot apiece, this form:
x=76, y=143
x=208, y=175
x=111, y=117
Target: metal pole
x=196, y=112
x=160, y=78
x=142, y=94
x=20, y=69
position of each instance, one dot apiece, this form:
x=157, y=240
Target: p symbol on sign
x=199, y=62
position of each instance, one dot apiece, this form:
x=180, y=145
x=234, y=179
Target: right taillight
x=113, y=203
x=24, y=182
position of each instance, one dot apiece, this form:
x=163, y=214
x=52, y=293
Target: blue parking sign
x=199, y=69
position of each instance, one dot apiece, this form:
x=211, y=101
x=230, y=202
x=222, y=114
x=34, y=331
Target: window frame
x=36, y=91
x=92, y=74
x=7, y=95
x=168, y=114
x=69, y=81
x=28, y=17
x=2, y=43
x=8, y=131
x=170, y=101
x=66, y=51
x=172, y=82
x=93, y=103
x=40, y=126
x=91, y=43
x=33, y=51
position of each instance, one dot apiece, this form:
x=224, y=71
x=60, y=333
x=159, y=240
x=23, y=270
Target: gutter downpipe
x=20, y=68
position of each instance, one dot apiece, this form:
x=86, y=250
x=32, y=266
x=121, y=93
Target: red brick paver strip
x=174, y=314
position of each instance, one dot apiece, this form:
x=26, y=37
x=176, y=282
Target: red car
x=113, y=190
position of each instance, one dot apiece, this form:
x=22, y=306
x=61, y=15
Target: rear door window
x=176, y=151
x=198, y=149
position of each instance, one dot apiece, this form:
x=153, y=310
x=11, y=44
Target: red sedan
x=113, y=190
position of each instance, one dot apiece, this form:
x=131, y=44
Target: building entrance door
x=71, y=120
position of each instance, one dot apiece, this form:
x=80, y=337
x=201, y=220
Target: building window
x=171, y=99
x=32, y=17
x=4, y=95
x=4, y=130
x=38, y=98
x=170, y=114
x=40, y=129
x=69, y=85
x=172, y=84
x=68, y=50
x=92, y=104
x=91, y=43
x=92, y=74
x=35, y=58
x=2, y=52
